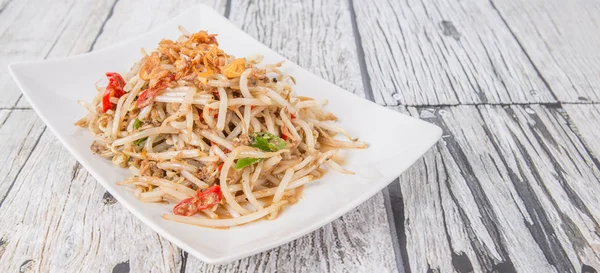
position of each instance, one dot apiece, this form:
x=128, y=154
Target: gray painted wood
x=19, y=131
x=562, y=39
x=139, y=17
x=509, y=188
x=444, y=52
x=55, y=219
x=41, y=29
x=585, y=119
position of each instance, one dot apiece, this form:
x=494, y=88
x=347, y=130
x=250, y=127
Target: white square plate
x=396, y=140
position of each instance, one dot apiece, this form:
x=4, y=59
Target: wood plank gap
x=6, y=5
x=16, y=108
x=8, y=115
x=394, y=206
x=497, y=104
x=537, y=70
x=549, y=104
x=4, y=120
x=481, y=104
x=110, y=14
x=366, y=79
x=23, y=165
x=227, y=9
x=16, y=102
x=184, y=256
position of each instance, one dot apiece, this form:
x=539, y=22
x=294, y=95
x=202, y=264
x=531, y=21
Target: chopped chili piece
x=203, y=200
x=209, y=197
x=147, y=96
x=113, y=89
x=186, y=207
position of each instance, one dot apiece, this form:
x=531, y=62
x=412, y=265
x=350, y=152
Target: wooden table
x=513, y=186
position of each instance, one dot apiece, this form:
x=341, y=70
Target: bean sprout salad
x=224, y=139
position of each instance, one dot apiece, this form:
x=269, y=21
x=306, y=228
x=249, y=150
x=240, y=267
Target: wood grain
x=19, y=131
x=357, y=242
x=509, y=189
x=562, y=39
x=55, y=220
x=44, y=29
x=444, y=52
x=585, y=119
x=139, y=17
x=318, y=36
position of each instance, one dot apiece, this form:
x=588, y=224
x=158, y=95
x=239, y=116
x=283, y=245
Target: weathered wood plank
x=444, y=52
x=55, y=220
x=354, y=243
x=41, y=29
x=19, y=131
x=509, y=189
x=561, y=38
x=586, y=120
x=119, y=241
x=318, y=36
x=139, y=17
x=568, y=195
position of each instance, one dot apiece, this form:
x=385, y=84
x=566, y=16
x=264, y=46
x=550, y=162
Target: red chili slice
x=209, y=198
x=203, y=200
x=147, y=96
x=113, y=89
x=186, y=207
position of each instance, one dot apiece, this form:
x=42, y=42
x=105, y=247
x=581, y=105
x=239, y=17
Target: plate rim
x=434, y=136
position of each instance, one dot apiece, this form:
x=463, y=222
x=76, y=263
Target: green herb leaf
x=137, y=124
x=245, y=162
x=267, y=142
x=140, y=141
